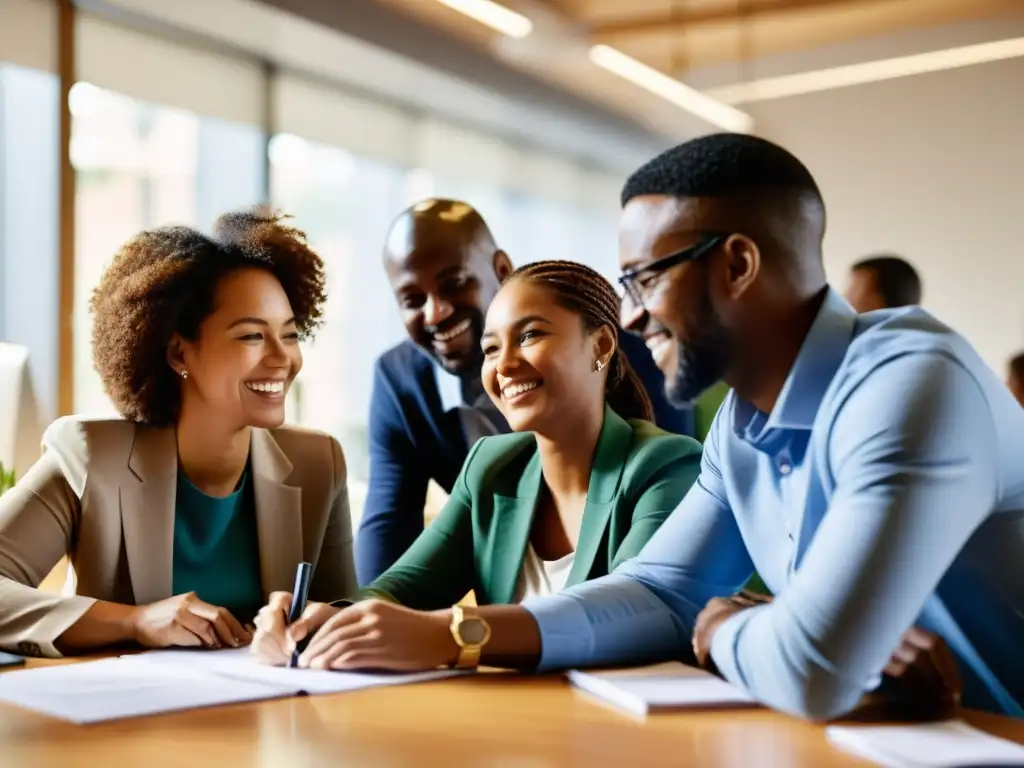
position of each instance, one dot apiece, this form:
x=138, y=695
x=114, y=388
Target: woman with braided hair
x=579, y=486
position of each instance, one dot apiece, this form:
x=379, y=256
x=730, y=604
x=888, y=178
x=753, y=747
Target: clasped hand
x=373, y=634
x=922, y=666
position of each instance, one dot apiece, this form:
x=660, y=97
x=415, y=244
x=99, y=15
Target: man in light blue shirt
x=871, y=469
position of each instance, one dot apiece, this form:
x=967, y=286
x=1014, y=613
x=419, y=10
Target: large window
x=29, y=191
x=142, y=165
x=344, y=203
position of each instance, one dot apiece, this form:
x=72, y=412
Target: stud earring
x=184, y=374
x=599, y=366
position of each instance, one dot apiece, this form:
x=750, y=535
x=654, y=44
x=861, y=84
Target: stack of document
x=926, y=745
x=168, y=681
x=661, y=687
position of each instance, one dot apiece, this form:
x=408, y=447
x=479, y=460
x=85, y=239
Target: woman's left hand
x=375, y=634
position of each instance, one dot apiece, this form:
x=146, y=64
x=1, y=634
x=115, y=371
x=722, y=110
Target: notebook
x=168, y=681
x=239, y=664
x=114, y=689
x=661, y=687
x=949, y=744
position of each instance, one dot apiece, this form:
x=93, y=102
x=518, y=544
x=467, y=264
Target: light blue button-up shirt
x=884, y=490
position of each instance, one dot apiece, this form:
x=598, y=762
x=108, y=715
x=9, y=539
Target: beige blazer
x=103, y=494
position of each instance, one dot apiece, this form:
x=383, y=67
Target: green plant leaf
x=6, y=479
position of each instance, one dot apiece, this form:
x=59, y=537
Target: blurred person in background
x=577, y=489
x=429, y=405
x=180, y=519
x=1015, y=377
x=883, y=282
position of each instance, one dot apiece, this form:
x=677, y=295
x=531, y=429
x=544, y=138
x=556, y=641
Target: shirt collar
x=820, y=356
x=449, y=387
x=456, y=392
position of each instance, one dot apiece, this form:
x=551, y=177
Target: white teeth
x=657, y=343
x=456, y=331
x=517, y=389
x=275, y=387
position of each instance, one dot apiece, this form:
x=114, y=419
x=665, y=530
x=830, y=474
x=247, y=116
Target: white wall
x=931, y=167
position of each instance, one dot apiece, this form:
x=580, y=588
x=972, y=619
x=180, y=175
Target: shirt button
x=785, y=468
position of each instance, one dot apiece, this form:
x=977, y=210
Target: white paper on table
x=238, y=664
x=667, y=686
x=111, y=689
x=926, y=745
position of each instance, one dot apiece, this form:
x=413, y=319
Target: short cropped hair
x=164, y=281
x=719, y=165
x=896, y=281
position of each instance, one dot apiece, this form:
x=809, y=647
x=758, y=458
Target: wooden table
x=490, y=720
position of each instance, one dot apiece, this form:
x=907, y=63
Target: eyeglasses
x=638, y=284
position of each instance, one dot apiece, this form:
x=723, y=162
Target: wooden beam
x=66, y=72
x=740, y=11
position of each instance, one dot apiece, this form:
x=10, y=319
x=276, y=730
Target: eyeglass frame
x=692, y=252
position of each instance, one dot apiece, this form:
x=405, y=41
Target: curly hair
x=164, y=281
x=583, y=291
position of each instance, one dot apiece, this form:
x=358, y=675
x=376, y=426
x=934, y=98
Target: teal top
x=216, y=548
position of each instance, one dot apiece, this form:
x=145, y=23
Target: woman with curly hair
x=180, y=519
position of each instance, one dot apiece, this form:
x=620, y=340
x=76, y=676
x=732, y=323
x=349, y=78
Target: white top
x=542, y=577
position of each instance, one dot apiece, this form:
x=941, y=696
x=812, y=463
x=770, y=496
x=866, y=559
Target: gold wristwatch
x=471, y=634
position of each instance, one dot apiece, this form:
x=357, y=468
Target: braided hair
x=583, y=291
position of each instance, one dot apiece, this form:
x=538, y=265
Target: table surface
x=500, y=720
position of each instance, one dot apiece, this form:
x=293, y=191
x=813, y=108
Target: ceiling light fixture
x=669, y=88
x=495, y=16
x=868, y=72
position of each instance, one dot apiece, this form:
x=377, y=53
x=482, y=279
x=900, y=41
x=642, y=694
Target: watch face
x=472, y=631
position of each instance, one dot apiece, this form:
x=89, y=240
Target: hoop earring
x=184, y=374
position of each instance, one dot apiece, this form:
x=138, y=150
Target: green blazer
x=479, y=539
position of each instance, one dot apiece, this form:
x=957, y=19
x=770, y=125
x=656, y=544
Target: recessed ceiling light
x=868, y=72
x=669, y=88
x=495, y=16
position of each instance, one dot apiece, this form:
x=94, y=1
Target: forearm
x=515, y=638
x=613, y=620
x=102, y=626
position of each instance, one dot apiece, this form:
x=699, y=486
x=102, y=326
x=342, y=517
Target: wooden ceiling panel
x=674, y=36
x=715, y=37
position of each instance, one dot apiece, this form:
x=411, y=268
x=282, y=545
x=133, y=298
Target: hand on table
x=375, y=634
x=185, y=620
x=275, y=640
x=925, y=670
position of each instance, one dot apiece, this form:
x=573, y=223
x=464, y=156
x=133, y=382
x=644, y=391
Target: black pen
x=299, y=594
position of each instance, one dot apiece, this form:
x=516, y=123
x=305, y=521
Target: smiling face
x=245, y=355
x=444, y=270
x=539, y=360
x=687, y=337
